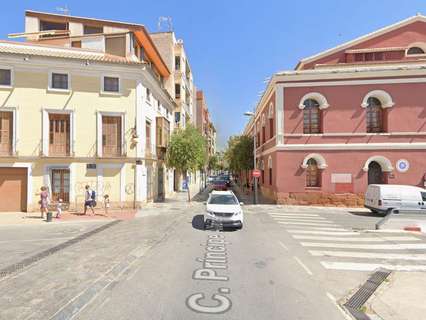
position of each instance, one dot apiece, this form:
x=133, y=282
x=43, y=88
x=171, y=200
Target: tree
x=239, y=154
x=186, y=151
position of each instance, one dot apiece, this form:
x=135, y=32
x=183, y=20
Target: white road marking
x=294, y=215
x=308, y=223
x=283, y=245
x=334, y=301
x=331, y=230
x=394, y=246
x=357, y=239
x=303, y=266
x=355, y=266
x=301, y=218
x=368, y=255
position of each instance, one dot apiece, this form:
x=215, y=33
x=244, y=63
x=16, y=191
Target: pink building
x=344, y=118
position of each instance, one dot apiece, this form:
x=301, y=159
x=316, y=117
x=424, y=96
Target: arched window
x=263, y=129
x=271, y=120
x=311, y=116
x=270, y=170
x=374, y=115
x=415, y=50
x=313, y=174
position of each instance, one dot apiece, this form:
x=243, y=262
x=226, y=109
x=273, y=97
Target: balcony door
x=111, y=136
x=59, y=134
x=6, y=132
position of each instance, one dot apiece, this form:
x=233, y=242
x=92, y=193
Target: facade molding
x=322, y=164
x=384, y=97
x=322, y=101
x=384, y=162
x=354, y=146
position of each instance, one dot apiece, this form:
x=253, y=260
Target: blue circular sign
x=402, y=165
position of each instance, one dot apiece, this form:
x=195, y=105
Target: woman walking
x=44, y=201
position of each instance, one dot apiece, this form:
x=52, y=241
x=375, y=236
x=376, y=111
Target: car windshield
x=220, y=181
x=222, y=199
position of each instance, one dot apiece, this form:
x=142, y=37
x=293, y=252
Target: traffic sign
x=256, y=173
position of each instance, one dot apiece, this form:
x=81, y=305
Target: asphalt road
x=286, y=263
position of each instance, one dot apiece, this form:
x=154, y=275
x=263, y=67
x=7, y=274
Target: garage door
x=13, y=189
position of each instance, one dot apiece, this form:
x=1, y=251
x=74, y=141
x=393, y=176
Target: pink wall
x=345, y=114
x=291, y=177
x=402, y=37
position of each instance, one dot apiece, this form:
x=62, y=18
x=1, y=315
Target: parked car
x=223, y=207
x=382, y=198
x=220, y=184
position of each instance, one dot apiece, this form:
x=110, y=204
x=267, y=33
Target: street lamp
x=252, y=114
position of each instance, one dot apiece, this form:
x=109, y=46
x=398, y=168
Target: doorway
x=375, y=173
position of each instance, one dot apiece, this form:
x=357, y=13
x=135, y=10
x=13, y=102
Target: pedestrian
x=59, y=208
x=44, y=201
x=106, y=204
x=89, y=199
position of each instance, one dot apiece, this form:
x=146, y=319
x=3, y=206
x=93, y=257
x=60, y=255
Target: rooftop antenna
x=64, y=10
x=167, y=21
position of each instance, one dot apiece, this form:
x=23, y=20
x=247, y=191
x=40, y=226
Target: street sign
x=256, y=173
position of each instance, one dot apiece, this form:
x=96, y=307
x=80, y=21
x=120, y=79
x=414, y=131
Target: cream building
x=83, y=113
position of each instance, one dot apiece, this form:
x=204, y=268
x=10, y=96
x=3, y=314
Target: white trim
x=29, y=167
x=111, y=93
x=269, y=162
x=99, y=134
x=352, y=82
x=322, y=101
x=263, y=120
x=420, y=45
x=322, y=164
x=12, y=76
x=14, y=111
x=384, y=97
x=355, y=134
x=279, y=114
x=363, y=38
x=45, y=132
x=122, y=184
x=49, y=81
x=384, y=162
x=271, y=110
x=354, y=146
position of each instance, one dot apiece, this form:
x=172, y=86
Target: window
x=223, y=199
x=59, y=134
x=177, y=117
x=148, y=95
x=258, y=139
x=271, y=128
x=374, y=115
x=92, y=29
x=177, y=63
x=6, y=132
x=61, y=185
x=313, y=174
x=311, y=116
x=423, y=196
x=5, y=77
x=270, y=176
x=111, y=84
x=111, y=136
x=177, y=91
x=116, y=45
x=148, y=138
x=48, y=25
x=263, y=133
x=415, y=50
x=59, y=81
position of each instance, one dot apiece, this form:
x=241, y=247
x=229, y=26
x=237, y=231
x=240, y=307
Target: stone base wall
x=322, y=199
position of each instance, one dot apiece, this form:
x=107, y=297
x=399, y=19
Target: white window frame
x=99, y=116
x=45, y=129
x=14, y=111
x=111, y=93
x=50, y=80
x=12, y=77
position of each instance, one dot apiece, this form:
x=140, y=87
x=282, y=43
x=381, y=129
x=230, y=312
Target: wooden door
x=111, y=136
x=13, y=189
x=59, y=134
x=6, y=130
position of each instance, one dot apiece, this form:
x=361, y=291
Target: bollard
x=49, y=216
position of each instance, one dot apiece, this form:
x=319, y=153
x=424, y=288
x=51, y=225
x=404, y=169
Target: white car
x=224, y=208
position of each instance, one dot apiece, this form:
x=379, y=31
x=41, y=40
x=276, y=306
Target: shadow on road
x=198, y=222
x=367, y=214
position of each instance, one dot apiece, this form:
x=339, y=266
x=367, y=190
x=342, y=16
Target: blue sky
x=234, y=45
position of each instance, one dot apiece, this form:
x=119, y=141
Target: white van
x=383, y=198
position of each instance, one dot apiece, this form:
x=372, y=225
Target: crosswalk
x=339, y=248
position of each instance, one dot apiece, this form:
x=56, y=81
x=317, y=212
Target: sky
x=234, y=45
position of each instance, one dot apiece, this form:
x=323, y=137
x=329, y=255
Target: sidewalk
x=247, y=196
x=33, y=218
x=402, y=298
